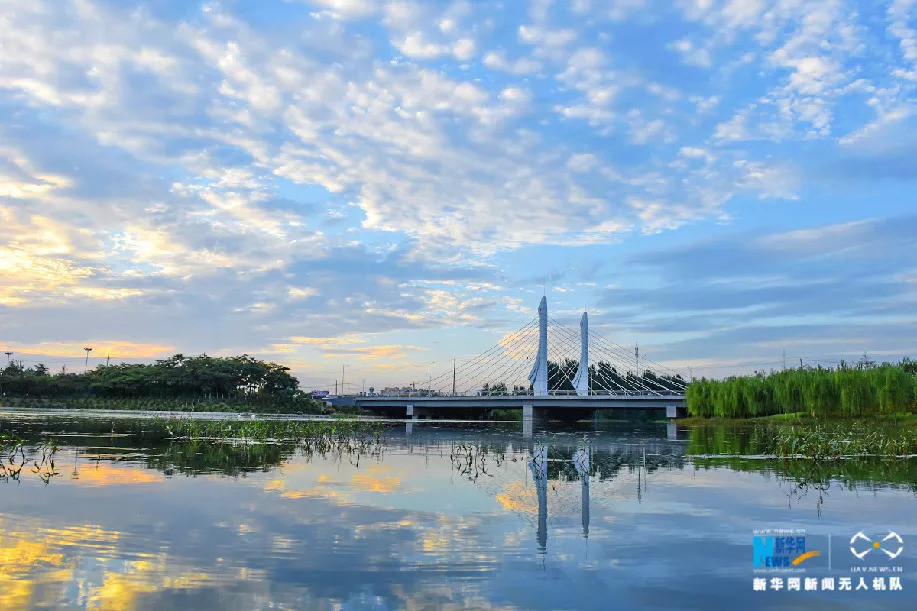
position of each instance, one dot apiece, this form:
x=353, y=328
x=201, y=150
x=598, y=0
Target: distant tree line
x=603, y=378
x=231, y=379
x=850, y=390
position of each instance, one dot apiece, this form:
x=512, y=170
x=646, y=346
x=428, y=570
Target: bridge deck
x=517, y=401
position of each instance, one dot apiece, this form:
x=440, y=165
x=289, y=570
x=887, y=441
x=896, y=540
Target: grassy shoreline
x=160, y=405
x=864, y=389
x=802, y=418
x=806, y=437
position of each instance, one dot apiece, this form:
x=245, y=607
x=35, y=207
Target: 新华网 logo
x=892, y=545
x=780, y=552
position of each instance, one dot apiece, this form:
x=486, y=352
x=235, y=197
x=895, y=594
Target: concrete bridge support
x=674, y=411
x=416, y=413
x=532, y=417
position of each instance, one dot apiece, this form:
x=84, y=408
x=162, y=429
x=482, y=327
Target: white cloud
x=414, y=45
x=643, y=131
x=901, y=20
x=582, y=162
x=497, y=60
x=882, y=133
x=769, y=180
x=691, y=55
x=694, y=152
x=464, y=49
x=349, y=9
x=743, y=13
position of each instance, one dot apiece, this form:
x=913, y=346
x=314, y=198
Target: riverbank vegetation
x=267, y=430
x=180, y=445
x=199, y=383
x=812, y=439
x=848, y=391
x=259, y=405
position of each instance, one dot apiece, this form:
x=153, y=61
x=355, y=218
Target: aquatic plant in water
x=813, y=439
x=337, y=436
x=15, y=455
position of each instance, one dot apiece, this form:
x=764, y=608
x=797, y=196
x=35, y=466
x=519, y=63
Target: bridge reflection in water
x=551, y=465
x=539, y=468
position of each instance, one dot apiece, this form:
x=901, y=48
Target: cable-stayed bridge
x=546, y=369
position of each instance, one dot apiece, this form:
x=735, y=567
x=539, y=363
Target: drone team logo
x=892, y=545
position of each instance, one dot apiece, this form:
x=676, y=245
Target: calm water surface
x=434, y=516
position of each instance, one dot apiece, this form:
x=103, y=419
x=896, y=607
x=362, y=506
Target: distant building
x=318, y=394
x=406, y=391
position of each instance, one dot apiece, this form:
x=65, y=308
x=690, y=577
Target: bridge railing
x=528, y=393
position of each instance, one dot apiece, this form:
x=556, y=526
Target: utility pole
x=88, y=350
x=8, y=355
x=364, y=386
x=800, y=362
x=107, y=360
x=335, y=388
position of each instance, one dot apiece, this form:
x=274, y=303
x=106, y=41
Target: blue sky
x=386, y=185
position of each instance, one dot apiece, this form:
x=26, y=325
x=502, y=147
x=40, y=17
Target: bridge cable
x=636, y=380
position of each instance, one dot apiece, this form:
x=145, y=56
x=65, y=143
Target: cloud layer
x=229, y=177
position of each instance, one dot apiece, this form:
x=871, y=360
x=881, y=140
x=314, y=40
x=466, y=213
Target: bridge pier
x=673, y=411
x=416, y=413
x=532, y=417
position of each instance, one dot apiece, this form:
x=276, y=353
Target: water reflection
x=444, y=516
x=581, y=462
x=539, y=467
x=82, y=564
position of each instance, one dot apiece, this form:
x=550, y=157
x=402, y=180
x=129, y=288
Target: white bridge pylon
x=539, y=375
x=581, y=381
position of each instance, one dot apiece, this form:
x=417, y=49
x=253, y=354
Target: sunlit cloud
x=48, y=561
x=120, y=349
x=373, y=353
x=106, y=475
x=376, y=480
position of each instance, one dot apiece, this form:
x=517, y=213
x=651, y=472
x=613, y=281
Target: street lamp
x=88, y=350
x=8, y=355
